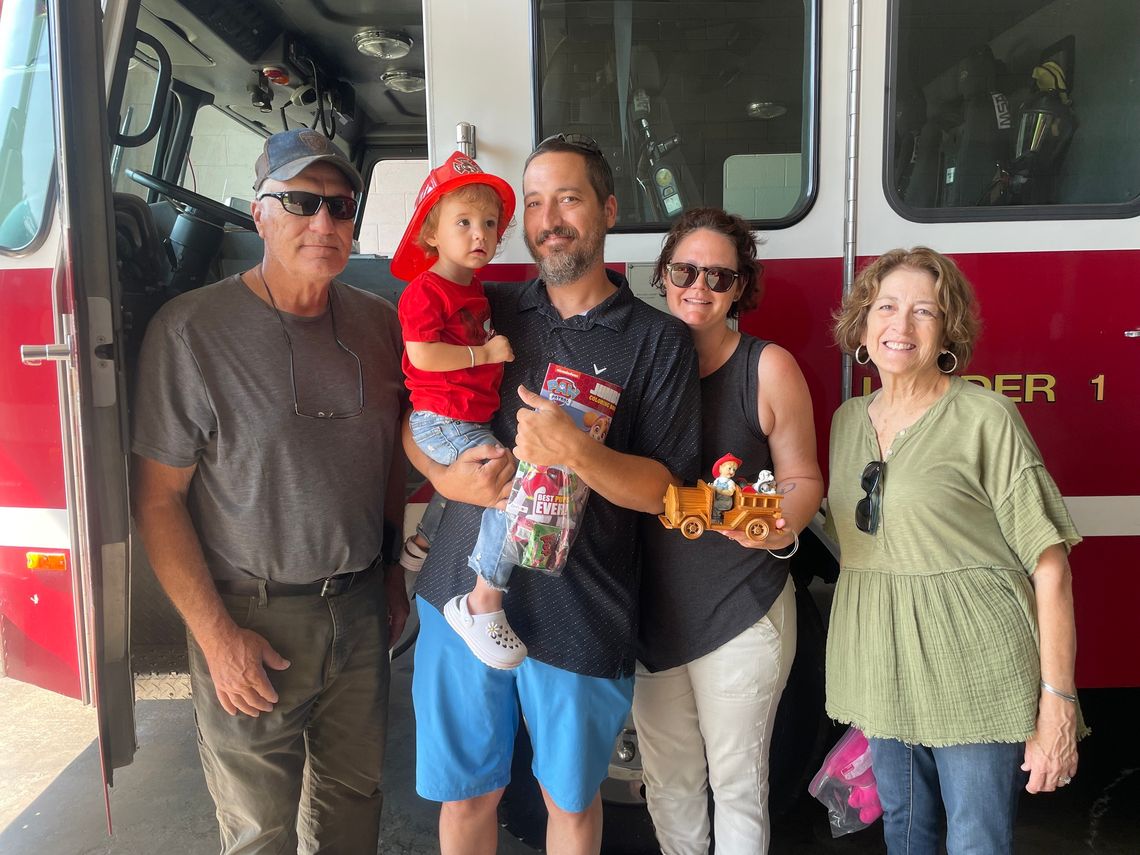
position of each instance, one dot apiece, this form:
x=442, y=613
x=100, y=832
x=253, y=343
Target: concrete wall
x=222, y=155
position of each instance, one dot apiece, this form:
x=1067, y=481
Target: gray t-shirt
x=276, y=495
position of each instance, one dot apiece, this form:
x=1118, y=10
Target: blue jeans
x=977, y=785
x=443, y=439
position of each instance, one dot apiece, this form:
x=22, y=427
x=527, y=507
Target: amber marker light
x=56, y=561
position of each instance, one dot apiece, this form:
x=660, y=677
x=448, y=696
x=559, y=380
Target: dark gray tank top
x=698, y=594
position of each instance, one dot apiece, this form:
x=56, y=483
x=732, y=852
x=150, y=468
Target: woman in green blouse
x=952, y=640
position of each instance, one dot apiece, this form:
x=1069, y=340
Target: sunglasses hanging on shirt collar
x=869, y=508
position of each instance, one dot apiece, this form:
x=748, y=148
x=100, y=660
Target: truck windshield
x=27, y=138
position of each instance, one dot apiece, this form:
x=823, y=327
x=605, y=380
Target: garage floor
x=51, y=802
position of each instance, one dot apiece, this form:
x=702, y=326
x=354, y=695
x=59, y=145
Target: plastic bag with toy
x=846, y=785
x=547, y=503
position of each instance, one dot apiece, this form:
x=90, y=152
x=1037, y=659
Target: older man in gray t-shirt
x=265, y=467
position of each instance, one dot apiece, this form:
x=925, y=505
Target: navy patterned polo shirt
x=584, y=620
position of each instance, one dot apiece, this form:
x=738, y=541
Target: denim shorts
x=467, y=715
x=443, y=439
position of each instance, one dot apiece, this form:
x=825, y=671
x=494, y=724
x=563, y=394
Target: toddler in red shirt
x=454, y=364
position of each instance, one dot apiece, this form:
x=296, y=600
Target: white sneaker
x=412, y=556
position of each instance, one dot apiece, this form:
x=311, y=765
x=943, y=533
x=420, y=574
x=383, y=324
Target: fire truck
x=1004, y=133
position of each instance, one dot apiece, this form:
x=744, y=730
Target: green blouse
x=933, y=636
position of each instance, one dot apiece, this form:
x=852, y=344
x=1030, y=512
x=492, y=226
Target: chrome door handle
x=36, y=354
x=1132, y=333
x=465, y=138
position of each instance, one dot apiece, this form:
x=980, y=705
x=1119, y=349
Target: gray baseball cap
x=287, y=153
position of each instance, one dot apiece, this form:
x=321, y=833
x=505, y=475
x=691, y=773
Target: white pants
x=721, y=706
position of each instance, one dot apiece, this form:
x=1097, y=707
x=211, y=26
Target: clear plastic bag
x=547, y=503
x=845, y=784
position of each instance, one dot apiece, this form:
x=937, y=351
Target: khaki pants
x=720, y=707
x=305, y=777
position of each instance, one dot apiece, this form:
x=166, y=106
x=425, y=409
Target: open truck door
x=64, y=516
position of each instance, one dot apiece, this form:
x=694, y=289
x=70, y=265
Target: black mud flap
x=799, y=736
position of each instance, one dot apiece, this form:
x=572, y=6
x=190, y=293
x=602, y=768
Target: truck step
x=161, y=672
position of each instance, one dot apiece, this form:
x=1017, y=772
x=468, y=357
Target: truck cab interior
x=193, y=94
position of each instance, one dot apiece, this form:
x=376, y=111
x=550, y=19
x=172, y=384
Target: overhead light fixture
x=383, y=44
x=766, y=110
x=404, y=81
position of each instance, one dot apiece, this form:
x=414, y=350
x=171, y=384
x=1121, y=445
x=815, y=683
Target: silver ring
x=1064, y=779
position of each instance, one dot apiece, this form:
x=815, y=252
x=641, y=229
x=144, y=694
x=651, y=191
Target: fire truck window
x=693, y=103
x=1014, y=103
x=138, y=97
x=222, y=154
x=392, y=192
x=27, y=140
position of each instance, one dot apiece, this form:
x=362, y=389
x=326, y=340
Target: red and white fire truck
x=1006, y=133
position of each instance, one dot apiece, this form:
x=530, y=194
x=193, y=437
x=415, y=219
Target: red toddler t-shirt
x=431, y=309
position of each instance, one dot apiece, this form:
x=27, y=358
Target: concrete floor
x=40, y=735
x=51, y=802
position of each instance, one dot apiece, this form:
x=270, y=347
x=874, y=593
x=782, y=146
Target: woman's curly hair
x=955, y=294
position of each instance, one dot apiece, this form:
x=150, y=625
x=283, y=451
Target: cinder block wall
x=391, y=200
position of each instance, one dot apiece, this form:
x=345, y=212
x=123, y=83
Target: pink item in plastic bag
x=845, y=784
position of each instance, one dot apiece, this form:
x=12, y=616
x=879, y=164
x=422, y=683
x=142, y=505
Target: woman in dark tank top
x=718, y=629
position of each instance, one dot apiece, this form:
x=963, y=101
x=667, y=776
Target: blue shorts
x=467, y=715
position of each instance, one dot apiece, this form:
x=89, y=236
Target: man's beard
x=569, y=265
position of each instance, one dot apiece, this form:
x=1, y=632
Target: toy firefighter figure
x=725, y=488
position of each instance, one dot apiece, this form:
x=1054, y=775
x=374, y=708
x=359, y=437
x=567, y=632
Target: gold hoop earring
x=953, y=367
x=867, y=358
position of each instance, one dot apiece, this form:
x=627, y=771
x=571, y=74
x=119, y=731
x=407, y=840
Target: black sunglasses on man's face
x=868, y=508
x=302, y=203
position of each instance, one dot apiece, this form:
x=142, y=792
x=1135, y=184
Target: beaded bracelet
x=1072, y=699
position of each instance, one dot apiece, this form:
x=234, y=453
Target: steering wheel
x=213, y=211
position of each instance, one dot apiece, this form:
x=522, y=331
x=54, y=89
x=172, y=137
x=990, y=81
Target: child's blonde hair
x=482, y=195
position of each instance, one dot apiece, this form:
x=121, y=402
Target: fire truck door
x=86, y=352
x=38, y=638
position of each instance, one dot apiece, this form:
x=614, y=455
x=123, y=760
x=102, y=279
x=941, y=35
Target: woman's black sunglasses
x=868, y=508
x=305, y=204
x=683, y=275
